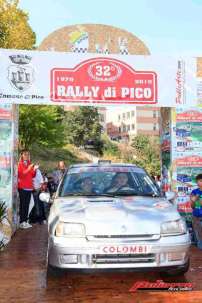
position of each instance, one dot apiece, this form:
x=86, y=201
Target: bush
x=147, y=152
x=110, y=148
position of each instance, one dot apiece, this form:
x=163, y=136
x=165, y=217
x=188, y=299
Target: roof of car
x=102, y=164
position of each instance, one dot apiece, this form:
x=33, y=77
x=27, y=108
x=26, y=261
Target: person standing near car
x=37, y=214
x=58, y=173
x=26, y=173
x=158, y=180
x=45, y=189
x=196, y=204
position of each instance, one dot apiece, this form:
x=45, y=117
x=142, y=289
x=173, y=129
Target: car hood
x=103, y=215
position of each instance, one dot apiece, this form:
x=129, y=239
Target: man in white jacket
x=37, y=214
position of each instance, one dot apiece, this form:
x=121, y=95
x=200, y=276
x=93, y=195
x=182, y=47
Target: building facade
x=125, y=123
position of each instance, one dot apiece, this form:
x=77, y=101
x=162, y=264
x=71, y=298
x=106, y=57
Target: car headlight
x=70, y=230
x=177, y=227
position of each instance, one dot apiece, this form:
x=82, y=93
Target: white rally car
x=107, y=216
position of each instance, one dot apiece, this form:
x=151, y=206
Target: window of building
x=119, y=117
x=124, y=115
x=124, y=128
x=133, y=126
x=128, y=115
x=128, y=128
x=119, y=129
x=132, y=113
x=154, y=127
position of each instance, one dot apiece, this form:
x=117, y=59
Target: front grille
x=124, y=237
x=123, y=258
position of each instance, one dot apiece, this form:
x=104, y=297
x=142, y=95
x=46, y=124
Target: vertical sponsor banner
x=186, y=155
x=165, y=140
x=6, y=142
x=14, y=167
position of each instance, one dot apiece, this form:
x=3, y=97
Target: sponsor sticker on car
x=125, y=249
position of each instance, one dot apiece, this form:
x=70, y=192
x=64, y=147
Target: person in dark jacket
x=58, y=173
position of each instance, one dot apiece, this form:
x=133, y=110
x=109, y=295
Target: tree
x=42, y=125
x=82, y=126
x=147, y=153
x=15, y=31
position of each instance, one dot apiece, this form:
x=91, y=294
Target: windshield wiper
x=111, y=195
x=127, y=194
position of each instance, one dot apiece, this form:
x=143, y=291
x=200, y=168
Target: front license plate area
x=125, y=249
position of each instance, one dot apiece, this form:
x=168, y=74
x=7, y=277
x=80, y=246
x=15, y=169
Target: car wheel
x=178, y=271
x=54, y=271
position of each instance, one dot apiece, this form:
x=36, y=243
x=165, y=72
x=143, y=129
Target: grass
x=48, y=158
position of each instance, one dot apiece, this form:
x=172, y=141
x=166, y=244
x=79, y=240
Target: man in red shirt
x=26, y=173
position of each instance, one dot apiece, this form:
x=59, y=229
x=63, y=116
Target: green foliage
x=110, y=148
x=147, y=153
x=40, y=125
x=48, y=158
x=15, y=31
x=140, y=142
x=82, y=125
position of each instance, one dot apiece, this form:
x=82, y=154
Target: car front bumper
x=171, y=251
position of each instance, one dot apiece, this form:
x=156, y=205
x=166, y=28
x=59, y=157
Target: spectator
x=26, y=173
x=37, y=214
x=196, y=204
x=45, y=178
x=44, y=188
x=158, y=181
x=58, y=173
x=51, y=185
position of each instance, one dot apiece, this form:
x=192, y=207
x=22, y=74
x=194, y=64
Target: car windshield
x=107, y=181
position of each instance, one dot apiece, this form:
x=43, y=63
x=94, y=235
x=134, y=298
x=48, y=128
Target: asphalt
x=23, y=278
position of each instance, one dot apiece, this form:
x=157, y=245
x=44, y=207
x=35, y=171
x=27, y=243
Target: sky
x=167, y=27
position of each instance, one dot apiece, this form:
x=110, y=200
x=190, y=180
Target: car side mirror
x=44, y=197
x=170, y=195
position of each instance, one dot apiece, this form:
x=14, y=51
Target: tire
x=53, y=272
x=178, y=271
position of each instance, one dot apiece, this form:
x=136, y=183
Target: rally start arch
x=113, y=76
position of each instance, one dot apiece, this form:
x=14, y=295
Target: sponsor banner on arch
x=186, y=155
x=35, y=77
